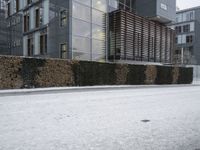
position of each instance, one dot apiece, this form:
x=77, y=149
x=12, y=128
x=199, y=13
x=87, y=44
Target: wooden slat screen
x=133, y=37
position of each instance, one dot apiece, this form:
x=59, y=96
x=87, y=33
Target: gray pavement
x=156, y=118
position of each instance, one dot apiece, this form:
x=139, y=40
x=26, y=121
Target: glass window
x=85, y=2
x=14, y=6
x=189, y=39
x=80, y=28
x=128, y=3
x=43, y=44
x=178, y=29
x=8, y=9
x=63, y=18
x=179, y=18
x=191, y=15
x=113, y=3
x=98, y=32
x=63, y=51
x=81, y=12
x=191, y=50
x=98, y=50
x=192, y=26
x=183, y=39
x=41, y=15
x=30, y=46
x=81, y=48
x=186, y=28
x=29, y=2
x=26, y=21
x=99, y=4
x=98, y=17
x=179, y=41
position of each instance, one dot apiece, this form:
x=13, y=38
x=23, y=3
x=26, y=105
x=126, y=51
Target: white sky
x=183, y=4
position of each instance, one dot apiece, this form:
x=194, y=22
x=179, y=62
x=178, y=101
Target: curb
x=20, y=92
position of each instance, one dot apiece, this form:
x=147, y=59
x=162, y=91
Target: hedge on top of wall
x=20, y=72
x=185, y=75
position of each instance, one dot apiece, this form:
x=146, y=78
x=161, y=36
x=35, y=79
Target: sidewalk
x=53, y=90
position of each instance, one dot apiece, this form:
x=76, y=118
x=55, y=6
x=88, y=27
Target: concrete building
x=187, y=28
x=4, y=50
x=72, y=29
x=158, y=10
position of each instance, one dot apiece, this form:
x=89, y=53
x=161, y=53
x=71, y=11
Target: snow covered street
x=158, y=118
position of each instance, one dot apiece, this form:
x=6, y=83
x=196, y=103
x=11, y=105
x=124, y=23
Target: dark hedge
x=18, y=72
x=185, y=76
x=164, y=75
x=94, y=73
x=30, y=68
x=136, y=75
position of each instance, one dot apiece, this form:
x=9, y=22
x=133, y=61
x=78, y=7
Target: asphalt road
x=166, y=118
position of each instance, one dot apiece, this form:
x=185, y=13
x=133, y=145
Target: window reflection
x=80, y=28
x=98, y=50
x=81, y=48
x=99, y=4
x=81, y=12
x=98, y=17
x=88, y=29
x=98, y=32
x=85, y=2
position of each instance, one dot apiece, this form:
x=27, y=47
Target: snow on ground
x=103, y=120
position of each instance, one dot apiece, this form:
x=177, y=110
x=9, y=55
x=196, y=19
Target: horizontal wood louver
x=133, y=37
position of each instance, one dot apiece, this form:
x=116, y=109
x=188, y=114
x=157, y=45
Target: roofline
x=188, y=9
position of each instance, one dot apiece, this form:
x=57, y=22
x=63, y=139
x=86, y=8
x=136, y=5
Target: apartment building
x=187, y=28
x=68, y=29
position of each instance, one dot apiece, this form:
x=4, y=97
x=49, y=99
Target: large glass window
x=81, y=48
x=98, y=50
x=88, y=29
x=81, y=12
x=100, y=5
x=98, y=32
x=81, y=28
x=85, y=2
x=98, y=17
x=188, y=16
x=113, y=3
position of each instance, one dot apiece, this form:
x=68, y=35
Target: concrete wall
x=56, y=34
x=197, y=37
x=170, y=13
x=163, y=11
x=196, y=74
x=20, y=72
x=4, y=50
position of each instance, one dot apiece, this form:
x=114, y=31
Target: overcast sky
x=183, y=4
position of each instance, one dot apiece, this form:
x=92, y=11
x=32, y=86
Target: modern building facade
x=3, y=31
x=68, y=29
x=136, y=38
x=158, y=10
x=187, y=28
